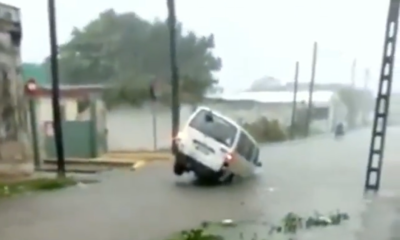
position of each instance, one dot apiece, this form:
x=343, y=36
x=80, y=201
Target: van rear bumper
x=201, y=170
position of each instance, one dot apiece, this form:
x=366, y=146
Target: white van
x=215, y=148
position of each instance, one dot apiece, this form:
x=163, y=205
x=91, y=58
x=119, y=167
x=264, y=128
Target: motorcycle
x=339, y=131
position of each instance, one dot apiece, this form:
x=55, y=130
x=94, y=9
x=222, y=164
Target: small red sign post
x=31, y=86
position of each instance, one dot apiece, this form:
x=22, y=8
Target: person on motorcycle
x=339, y=130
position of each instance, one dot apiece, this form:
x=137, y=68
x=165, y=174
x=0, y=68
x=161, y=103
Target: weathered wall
x=15, y=150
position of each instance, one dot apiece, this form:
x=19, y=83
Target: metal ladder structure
x=376, y=153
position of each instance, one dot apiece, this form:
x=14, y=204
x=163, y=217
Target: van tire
x=229, y=180
x=179, y=169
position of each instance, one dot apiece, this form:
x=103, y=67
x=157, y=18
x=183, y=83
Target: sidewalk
x=119, y=159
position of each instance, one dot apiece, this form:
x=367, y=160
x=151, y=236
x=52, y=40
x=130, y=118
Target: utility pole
x=175, y=105
x=366, y=79
x=366, y=91
x=353, y=73
x=382, y=105
x=311, y=89
x=294, y=105
x=58, y=135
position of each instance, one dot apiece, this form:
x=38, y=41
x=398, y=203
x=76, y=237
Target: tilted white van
x=215, y=148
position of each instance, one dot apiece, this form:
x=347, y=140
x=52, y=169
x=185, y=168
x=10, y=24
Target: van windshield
x=218, y=129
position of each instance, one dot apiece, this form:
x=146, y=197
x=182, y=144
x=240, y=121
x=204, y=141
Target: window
x=9, y=13
x=255, y=156
x=245, y=147
x=218, y=129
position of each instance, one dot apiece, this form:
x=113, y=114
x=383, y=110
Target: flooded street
x=318, y=174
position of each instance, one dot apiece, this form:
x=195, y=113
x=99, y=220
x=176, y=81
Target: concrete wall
x=44, y=113
x=132, y=128
x=16, y=155
x=45, y=109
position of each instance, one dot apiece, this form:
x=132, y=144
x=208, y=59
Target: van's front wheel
x=229, y=179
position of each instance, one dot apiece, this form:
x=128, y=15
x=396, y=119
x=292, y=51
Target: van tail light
x=228, y=159
x=179, y=136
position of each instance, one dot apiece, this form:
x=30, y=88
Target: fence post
x=34, y=131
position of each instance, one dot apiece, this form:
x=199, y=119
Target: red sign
x=31, y=86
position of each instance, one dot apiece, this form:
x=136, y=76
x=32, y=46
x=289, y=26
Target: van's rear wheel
x=179, y=164
x=179, y=169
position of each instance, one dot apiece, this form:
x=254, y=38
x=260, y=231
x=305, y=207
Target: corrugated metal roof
x=278, y=96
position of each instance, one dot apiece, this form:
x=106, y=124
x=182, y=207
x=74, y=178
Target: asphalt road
x=317, y=174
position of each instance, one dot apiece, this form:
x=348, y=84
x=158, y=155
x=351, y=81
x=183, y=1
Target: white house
x=328, y=109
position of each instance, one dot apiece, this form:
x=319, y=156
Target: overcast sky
x=255, y=38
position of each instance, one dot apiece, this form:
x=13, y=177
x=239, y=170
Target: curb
x=133, y=165
x=79, y=171
x=146, y=156
x=104, y=163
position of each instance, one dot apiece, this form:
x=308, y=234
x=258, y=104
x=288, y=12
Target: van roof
x=228, y=119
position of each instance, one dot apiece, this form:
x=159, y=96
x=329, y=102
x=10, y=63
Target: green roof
x=35, y=71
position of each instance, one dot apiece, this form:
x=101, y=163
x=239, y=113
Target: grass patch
x=32, y=185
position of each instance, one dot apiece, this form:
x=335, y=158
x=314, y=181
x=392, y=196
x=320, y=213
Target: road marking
x=138, y=165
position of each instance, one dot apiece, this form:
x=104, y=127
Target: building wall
x=44, y=113
x=133, y=129
x=45, y=109
x=16, y=157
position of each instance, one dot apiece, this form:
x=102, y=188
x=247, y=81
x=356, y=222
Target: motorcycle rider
x=339, y=129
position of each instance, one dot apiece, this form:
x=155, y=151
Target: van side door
x=244, y=152
x=255, y=159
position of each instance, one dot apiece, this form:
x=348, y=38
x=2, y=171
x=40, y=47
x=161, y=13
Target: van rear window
x=219, y=129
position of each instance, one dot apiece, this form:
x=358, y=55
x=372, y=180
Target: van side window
x=245, y=147
x=256, y=154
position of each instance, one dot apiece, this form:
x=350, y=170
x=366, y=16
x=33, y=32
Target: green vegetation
x=290, y=224
x=127, y=53
x=11, y=188
x=264, y=130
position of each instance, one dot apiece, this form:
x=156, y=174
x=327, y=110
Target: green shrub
x=264, y=130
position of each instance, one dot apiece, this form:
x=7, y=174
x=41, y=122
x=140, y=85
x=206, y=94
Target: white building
x=328, y=109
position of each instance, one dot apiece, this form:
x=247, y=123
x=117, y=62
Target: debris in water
x=81, y=185
x=228, y=222
x=6, y=190
x=293, y=222
x=205, y=224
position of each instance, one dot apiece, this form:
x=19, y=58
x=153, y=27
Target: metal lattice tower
x=376, y=153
